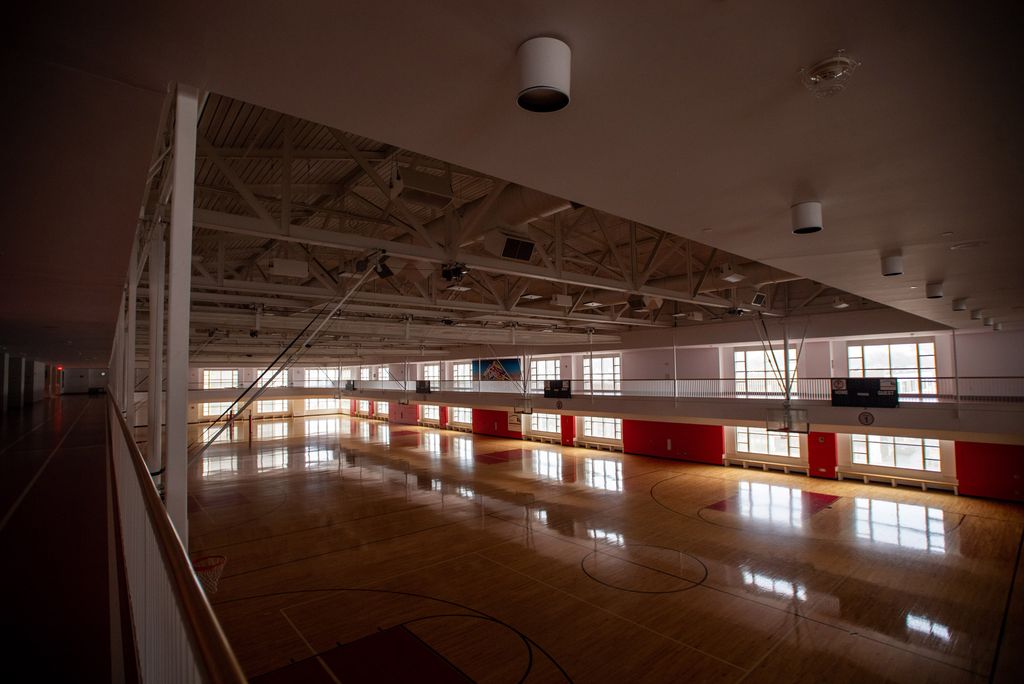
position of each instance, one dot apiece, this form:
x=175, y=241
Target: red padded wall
x=403, y=414
x=495, y=423
x=821, y=454
x=701, y=443
x=443, y=416
x=991, y=470
x=568, y=430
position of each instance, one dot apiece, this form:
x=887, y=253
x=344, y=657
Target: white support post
x=128, y=398
x=178, y=301
x=156, y=348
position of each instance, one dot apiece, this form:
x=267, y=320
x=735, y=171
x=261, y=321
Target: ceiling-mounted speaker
x=806, y=218
x=933, y=290
x=544, y=72
x=892, y=265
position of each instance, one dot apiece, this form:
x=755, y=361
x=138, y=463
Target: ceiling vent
x=513, y=247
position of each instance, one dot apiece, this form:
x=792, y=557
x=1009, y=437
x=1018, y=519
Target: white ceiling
x=688, y=116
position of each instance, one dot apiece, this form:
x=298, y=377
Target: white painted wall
x=698, y=362
x=647, y=364
x=990, y=354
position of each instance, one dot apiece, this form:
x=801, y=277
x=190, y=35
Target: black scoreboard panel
x=350, y=385
x=558, y=389
x=865, y=392
x=422, y=387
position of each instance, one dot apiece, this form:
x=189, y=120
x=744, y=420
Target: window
x=364, y=373
x=218, y=379
x=758, y=372
x=462, y=375
x=896, y=452
x=602, y=428
x=380, y=408
x=383, y=373
x=761, y=441
x=541, y=370
x=461, y=415
x=272, y=406
x=363, y=406
x=214, y=409
x=321, y=403
x=432, y=373
x=268, y=379
x=546, y=422
x=322, y=377
x=602, y=374
x=912, y=364
x=430, y=412
x=346, y=374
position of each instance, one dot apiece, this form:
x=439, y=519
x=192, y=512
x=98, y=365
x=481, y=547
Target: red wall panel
x=495, y=423
x=403, y=414
x=568, y=430
x=681, y=441
x=443, y=415
x=991, y=470
x=821, y=454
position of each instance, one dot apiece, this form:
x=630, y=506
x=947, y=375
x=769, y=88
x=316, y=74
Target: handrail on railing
x=216, y=659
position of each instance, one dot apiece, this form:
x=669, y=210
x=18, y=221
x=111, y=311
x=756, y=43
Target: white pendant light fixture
x=806, y=218
x=960, y=304
x=976, y=314
x=933, y=290
x=892, y=264
x=989, y=321
x=544, y=73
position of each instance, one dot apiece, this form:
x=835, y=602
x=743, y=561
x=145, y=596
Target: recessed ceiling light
x=457, y=288
x=592, y=305
x=829, y=76
x=839, y=303
x=947, y=233
x=971, y=244
x=913, y=287
x=529, y=297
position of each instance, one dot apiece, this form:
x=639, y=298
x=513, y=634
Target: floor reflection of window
x=324, y=426
x=462, y=448
x=540, y=515
x=907, y=525
x=774, y=585
x=315, y=454
x=923, y=625
x=384, y=434
x=771, y=503
x=219, y=465
x=547, y=464
x=277, y=430
x=364, y=430
x=465, y=492
x=272, y=459
x=603, y=474
x=431, y=441
x=613, y=538
x=224, y=436
x=437, y=485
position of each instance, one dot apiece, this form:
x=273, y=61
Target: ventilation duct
x=515, y=247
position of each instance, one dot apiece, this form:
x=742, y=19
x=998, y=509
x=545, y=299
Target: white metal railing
x=177, y=636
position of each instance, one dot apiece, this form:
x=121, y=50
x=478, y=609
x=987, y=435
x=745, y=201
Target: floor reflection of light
x=225, y=436
x=462, y=448
x=322, y=426
x=364, y=430
x=272, y=459
x=346, y=426
x=771, y=503
x=603, y=474
x=465, y=492
x=274, y=430
x=774, y=585
x=547, y=464
x=906, y=525
x=431, y=441
x=219, y=465
x=923, y=625
x=613, y=538
x=316, y=454
x=541, y=516
x=437, y=485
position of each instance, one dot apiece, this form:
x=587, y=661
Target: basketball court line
x=312, y=650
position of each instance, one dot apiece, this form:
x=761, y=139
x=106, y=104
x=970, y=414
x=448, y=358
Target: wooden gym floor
x=358, y=550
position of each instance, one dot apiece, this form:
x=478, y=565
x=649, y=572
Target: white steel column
x=128, y=399
x=156, y=348
x=179, y=285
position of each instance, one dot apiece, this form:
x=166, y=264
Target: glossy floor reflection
x=592, y=566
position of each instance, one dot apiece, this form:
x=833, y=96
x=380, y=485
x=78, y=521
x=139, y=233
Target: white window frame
x=432, y=374
x=219, y=378
x=321, y=404
x=540, y=422
x=544, y=369
x=782, y=444
x=268, y=379
x=598, y=427
x=265, y=406
x=363, y=407
x=456, y=412
x=213, y=409
x=919, y=379
x=322, y=377
x=462, y=376
x=756, y=384
x=430, y=413
x=365, y=372
x=602, y=374
x=873, y=450
x=381, y=408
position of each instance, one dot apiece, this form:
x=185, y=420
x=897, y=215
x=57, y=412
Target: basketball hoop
x=787, y=420
x=208, y=569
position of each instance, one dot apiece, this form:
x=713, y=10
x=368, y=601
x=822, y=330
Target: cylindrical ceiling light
x=960, y=304
x=544, y=72
x=892, y=264
x=806, y=218
x=989, y=321
x=933, y=290
x=997, y=327
x=975, y=314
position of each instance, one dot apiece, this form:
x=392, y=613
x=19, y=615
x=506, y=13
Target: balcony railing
x=177, y=636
